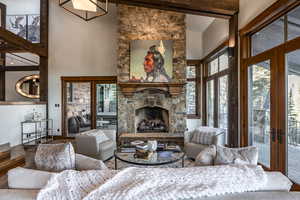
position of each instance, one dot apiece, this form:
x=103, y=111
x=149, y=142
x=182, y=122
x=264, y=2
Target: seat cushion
x=22, y=178
x=9, y=194
x=246, y=155
x=277, y=182
x=55, y=157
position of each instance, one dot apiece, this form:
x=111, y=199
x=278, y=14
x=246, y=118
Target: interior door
x=261, y=122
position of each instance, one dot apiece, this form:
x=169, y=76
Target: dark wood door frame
x=93, y=80
x=275, y=11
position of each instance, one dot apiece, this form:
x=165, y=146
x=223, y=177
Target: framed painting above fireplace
x=151, y=60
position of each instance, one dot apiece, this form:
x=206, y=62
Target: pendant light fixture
x=85, y=9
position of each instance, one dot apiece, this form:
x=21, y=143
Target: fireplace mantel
x=129, y=88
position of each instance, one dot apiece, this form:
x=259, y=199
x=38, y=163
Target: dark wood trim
x=113, y=79
x=20, y=68
x=233, y=83
x=8, y=103
x=217, y=8
x=93, y=80
x=129, y=88
x=2, y=55
x=272, y=13
x=15, y=40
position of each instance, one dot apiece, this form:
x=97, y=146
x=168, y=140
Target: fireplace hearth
x=152, y=120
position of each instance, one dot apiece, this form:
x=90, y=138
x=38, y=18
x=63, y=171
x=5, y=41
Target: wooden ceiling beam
x=20, y=68
x=21, y=43
x=211, y=8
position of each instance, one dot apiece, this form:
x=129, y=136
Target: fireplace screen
x=152, y=119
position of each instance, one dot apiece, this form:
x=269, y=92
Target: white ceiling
x=198, y=23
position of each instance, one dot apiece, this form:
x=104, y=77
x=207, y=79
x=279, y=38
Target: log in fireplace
x=152, y=119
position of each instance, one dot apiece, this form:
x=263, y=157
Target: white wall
x=10, y=121
x=217, y=32
x=11, y=78
x=79, y=48
x=215, y=35
x=249, y=10
x=17, y=7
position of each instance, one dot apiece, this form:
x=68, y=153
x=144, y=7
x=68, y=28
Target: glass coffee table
x=156, y=159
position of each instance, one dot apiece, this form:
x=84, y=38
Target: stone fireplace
x=151, y=107
x=152, y=120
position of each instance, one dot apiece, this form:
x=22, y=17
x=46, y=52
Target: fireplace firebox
x=152, y=120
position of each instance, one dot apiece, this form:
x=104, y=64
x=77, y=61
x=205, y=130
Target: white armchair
x=201, y=138
x=99, y=144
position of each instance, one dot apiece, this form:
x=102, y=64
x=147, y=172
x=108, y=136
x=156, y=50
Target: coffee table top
x=157, y=158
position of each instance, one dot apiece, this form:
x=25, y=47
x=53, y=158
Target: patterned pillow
x=55, y=157
x=246, y=155
x=205, y=135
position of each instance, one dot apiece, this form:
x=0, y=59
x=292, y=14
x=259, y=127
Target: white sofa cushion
x=22, y=178
x=277, y=182
x=87, y=163
x=55, y=157
x=18, y=194
x=246, y=155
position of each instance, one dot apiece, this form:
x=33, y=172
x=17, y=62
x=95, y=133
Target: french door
x=271, y=121
x=88, y=103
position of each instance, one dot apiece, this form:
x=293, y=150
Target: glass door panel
x=106, y=106
x=78, y=107
x=210, y=103
x=223, y=105
x=293, y=115
x=259, y=124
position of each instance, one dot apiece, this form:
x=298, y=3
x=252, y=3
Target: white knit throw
x=153, y=183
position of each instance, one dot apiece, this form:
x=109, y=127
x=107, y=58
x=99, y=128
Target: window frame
x=197, y=81
x=215, y=78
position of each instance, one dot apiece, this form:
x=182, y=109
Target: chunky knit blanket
x=153, y=183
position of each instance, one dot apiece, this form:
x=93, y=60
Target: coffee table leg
x=183, y=162
x=116, y=165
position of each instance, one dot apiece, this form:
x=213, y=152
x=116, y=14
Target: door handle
x=280, y=136
x=273, y=134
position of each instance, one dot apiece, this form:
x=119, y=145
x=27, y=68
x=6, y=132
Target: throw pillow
x=247, y=155
x=55, y=157
x=206, y=156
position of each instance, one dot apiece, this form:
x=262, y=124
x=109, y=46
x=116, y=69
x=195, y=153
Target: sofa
x=200, y=138
x=276, y=189
x=98, y=144
x=78, y=124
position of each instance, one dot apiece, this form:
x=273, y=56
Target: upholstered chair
x=98, y=144
x=201, y=138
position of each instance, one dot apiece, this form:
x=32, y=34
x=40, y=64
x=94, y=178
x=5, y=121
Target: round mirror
x=29, y=86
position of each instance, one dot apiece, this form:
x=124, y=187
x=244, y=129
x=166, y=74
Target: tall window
x=216, y=91
x=192, y=89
